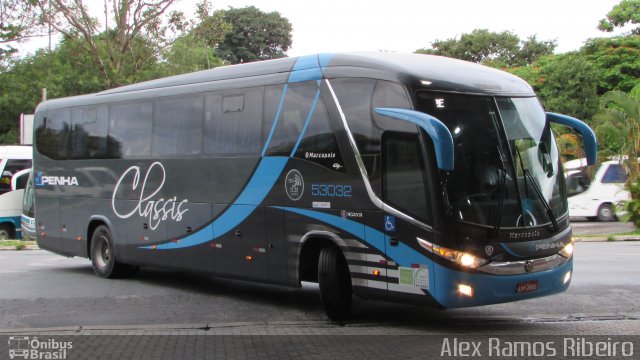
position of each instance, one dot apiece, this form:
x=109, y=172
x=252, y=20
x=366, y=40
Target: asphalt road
x=44, y=290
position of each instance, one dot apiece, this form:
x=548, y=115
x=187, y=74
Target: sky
x=407, y=25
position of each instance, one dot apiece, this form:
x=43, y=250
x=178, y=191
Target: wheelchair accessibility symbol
x=390, y=223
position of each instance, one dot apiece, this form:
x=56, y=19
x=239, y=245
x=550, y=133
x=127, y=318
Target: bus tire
x=7, y=232
x=335, y=284
x=103, y=257
x=605, y=213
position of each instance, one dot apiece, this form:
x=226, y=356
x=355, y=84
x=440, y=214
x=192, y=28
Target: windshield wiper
x=503, y=185
x=536, y=189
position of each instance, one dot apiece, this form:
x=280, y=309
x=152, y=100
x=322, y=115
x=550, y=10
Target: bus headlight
x=459, y=257
x=567, y=250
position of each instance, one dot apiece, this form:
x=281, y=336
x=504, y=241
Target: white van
x=596, y=198
x=14, y=160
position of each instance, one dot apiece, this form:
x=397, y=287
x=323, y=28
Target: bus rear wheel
x=103, y=257
x=335, y=284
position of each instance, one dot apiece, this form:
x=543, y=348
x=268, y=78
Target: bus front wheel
x=335, y=284
x=103, y=257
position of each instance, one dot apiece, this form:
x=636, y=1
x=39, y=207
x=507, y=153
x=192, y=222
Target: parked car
x=596, y=198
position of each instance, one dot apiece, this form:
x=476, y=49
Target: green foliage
x=63, y=72
x=132, y=41
x=565, y=84
x=254, y=35
x=616, y=60
x=196, y=50
x=632, y=207
x=626, y=12
x=503, y=49
x=619, y=118
x=18, y=21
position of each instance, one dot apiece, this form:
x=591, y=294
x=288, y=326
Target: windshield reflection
x=496, y=140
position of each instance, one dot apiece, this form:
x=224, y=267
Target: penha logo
x=42, y=180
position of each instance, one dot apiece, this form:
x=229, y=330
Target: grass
x=18, y=244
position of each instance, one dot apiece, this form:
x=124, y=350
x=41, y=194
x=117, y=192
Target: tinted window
x=233, y=126
x=293, y=115
x=404, y=178
x=318, y=142
x=90, y=127
x=615, y=175
x=130, y=130
x=177, y=128
x=359, y=98
x=53, y=134
x=10, y=169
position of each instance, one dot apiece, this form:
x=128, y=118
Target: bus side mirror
x=440, y=135
x=588, y=136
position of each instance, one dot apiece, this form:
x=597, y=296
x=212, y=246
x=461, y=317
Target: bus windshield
x=507, y=167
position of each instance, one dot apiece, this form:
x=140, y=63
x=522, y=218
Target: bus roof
x=419, y=71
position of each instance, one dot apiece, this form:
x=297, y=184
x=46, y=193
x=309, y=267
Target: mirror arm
x=588, y=136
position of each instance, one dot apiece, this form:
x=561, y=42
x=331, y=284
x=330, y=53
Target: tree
x=254, y=35
x=502, y=49
x=620, y=115
x=196, y=50
x=565, y=83
x=18, y=21
x=626, y=12
x=134, y=21
x=616, y=59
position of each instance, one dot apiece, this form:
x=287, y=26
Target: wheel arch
x=94, y=222
x=309, y=251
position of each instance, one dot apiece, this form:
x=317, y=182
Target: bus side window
x=89, y=135
x=130, y=130
x=233, y=122
x=293, y=114
x=53, y=134
x=177, y=126
x=404, y=176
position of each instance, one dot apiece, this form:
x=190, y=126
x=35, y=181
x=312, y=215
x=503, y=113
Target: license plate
x=527, y=286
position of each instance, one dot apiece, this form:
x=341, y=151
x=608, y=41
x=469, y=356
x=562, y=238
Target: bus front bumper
x=455, y=289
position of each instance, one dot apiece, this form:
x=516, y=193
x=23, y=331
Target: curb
x=13, y=248
x=607, y=238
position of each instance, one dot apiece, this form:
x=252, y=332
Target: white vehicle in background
x=15, y=164
x=596, y=198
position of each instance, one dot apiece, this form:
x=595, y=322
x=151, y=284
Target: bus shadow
x=306, y=300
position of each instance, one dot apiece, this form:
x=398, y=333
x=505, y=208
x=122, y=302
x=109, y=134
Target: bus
x=15, y=162
x=27, y=218
x=378, y=175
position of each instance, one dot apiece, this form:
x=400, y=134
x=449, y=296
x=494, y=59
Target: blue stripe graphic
x=268, y=170
x=275, y=121
x=306, y=123
x=263, y=179
x=403, y=255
